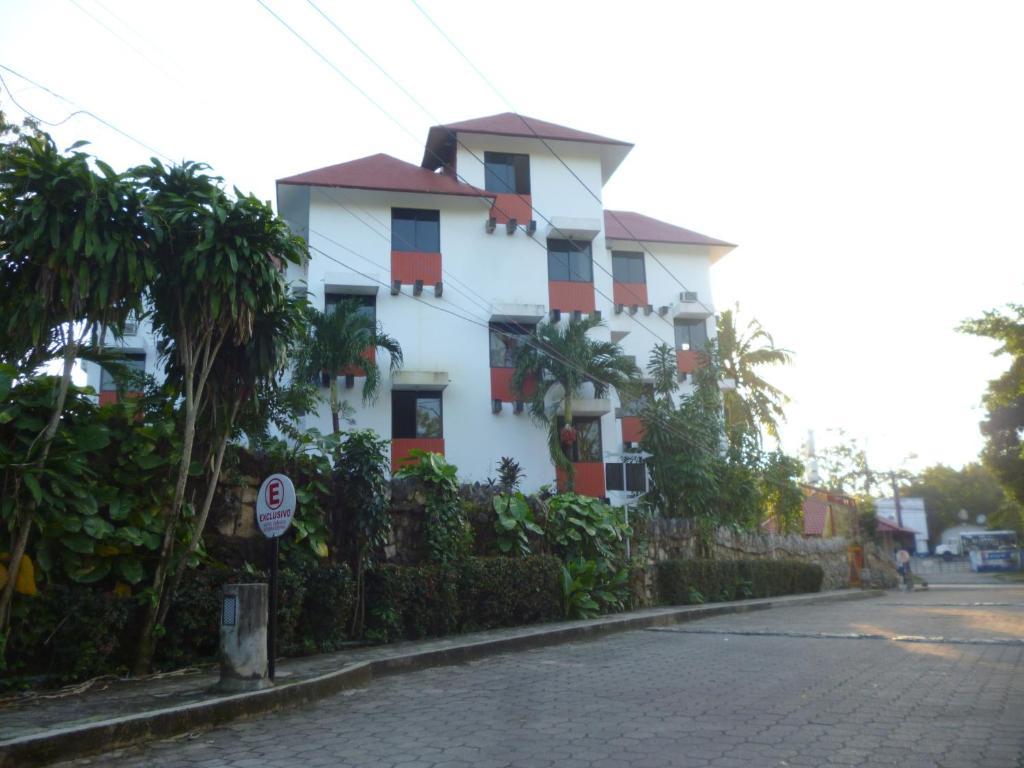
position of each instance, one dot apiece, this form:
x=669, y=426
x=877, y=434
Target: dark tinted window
x=413, y=229
x=570, y=261
x=136, y=361
x=416, y=414
x=614, y=478
x=636, y=477
x=506, y=172
x=691, y=334
x=367, y=303
x=629, y=476
x=628, y=267
x=633, y=405
x=506, y=339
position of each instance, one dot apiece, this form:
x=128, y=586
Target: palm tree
x=554, y=364
x=343, y=341
x=753, y=403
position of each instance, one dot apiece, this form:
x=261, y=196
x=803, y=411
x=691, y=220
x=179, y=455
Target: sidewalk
x=42, y=727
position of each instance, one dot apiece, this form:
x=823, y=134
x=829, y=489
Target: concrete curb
x=104, y=735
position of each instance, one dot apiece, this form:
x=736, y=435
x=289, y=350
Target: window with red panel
x=416, y=245
x=130, y=383
x=506, y=339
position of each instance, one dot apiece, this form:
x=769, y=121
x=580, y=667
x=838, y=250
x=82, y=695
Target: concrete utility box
x=243, y=638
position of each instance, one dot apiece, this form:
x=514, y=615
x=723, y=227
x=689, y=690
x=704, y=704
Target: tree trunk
x=570, y=472
x=204, y=513
x=335, y=406
x=24, y=518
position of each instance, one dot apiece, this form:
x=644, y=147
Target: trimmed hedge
x=682, y=582
x=407, y=602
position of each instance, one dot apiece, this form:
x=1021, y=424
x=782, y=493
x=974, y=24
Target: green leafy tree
x=754, y=403
x=974, y=489
x=781, y=493
x=340, y=340
x=552, y=368
x=219, y=271
x=74, y=258
x=1004, y=400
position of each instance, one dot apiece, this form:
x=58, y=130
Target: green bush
x=67, y=633
x=326, y=616
x=683, y=582
x=406, y=602
x=506, y=592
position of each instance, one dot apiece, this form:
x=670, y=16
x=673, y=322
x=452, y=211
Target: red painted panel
x=630, y=294
x=110, y=397
x=589, y=479
x=400, y=447
x=501, y=386
x=370, y=353
x=688, y=360
x=410, y=266
x=571, y=297
x=632, y=429
x=511, y=206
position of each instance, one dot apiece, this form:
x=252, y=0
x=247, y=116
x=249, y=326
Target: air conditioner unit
x=688, y=297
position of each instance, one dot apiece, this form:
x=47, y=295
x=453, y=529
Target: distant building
x=912, y=516
x=893, y=537
x=825, y=515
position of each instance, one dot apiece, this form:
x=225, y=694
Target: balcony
x=401, y=446
x=409, y=266
x=589, y=479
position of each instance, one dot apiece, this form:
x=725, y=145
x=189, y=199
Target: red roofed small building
x=499, y=227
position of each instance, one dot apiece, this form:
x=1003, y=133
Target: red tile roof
x=385, y=173
x=814, y=517
x=627, y=225
x=887, y=526
x=439, y=149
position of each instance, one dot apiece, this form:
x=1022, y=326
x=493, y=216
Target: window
x=136, y=363
x=507, y=173
x=587, y=447
x=628, y=267
x=367, y=303
x=691, y=334
x=413, y=229
x=416, y=414
x=570, y=262
x=634, y=405
x=506, y=339
x=629, y=476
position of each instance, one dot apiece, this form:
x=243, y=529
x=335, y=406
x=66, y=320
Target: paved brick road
x=681, y=698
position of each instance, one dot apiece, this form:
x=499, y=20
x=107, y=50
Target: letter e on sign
x=275, y=505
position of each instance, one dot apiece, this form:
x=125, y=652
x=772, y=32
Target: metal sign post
x=275, y=507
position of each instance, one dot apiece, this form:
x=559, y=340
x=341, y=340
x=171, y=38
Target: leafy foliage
x=555, y=365
x=514, y=523
x=447, y=531
x=343, y=341
x=754, y=403
x=974, y=489
x=682, y=582
x=1004, y=400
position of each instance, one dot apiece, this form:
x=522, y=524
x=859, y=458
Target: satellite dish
x=981, y=519
x=962, y=514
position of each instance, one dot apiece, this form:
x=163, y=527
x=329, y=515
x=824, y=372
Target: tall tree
x=74, y=258
x=552, y=368
x=220, y=270
x=754, y=403
x=345, y=340
x=1004, y=400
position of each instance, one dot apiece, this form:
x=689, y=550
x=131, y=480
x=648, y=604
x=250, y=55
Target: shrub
x=67, y=633
x=506, y=592
x=683, y=582
x=326, y=615
x=480, y=593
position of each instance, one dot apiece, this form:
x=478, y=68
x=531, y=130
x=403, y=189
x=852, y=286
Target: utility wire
x=551, y=149
x=79, y=111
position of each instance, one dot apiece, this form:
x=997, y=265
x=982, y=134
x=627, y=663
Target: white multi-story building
x=500, y=227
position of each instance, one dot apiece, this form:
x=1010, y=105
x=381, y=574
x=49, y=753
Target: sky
x=867, y=157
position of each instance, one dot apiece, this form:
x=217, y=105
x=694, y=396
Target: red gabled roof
x=384, y=172
x=440, y=139
x=512, y=124
x=627, y=225
x=814, y=517
x=887, y=526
